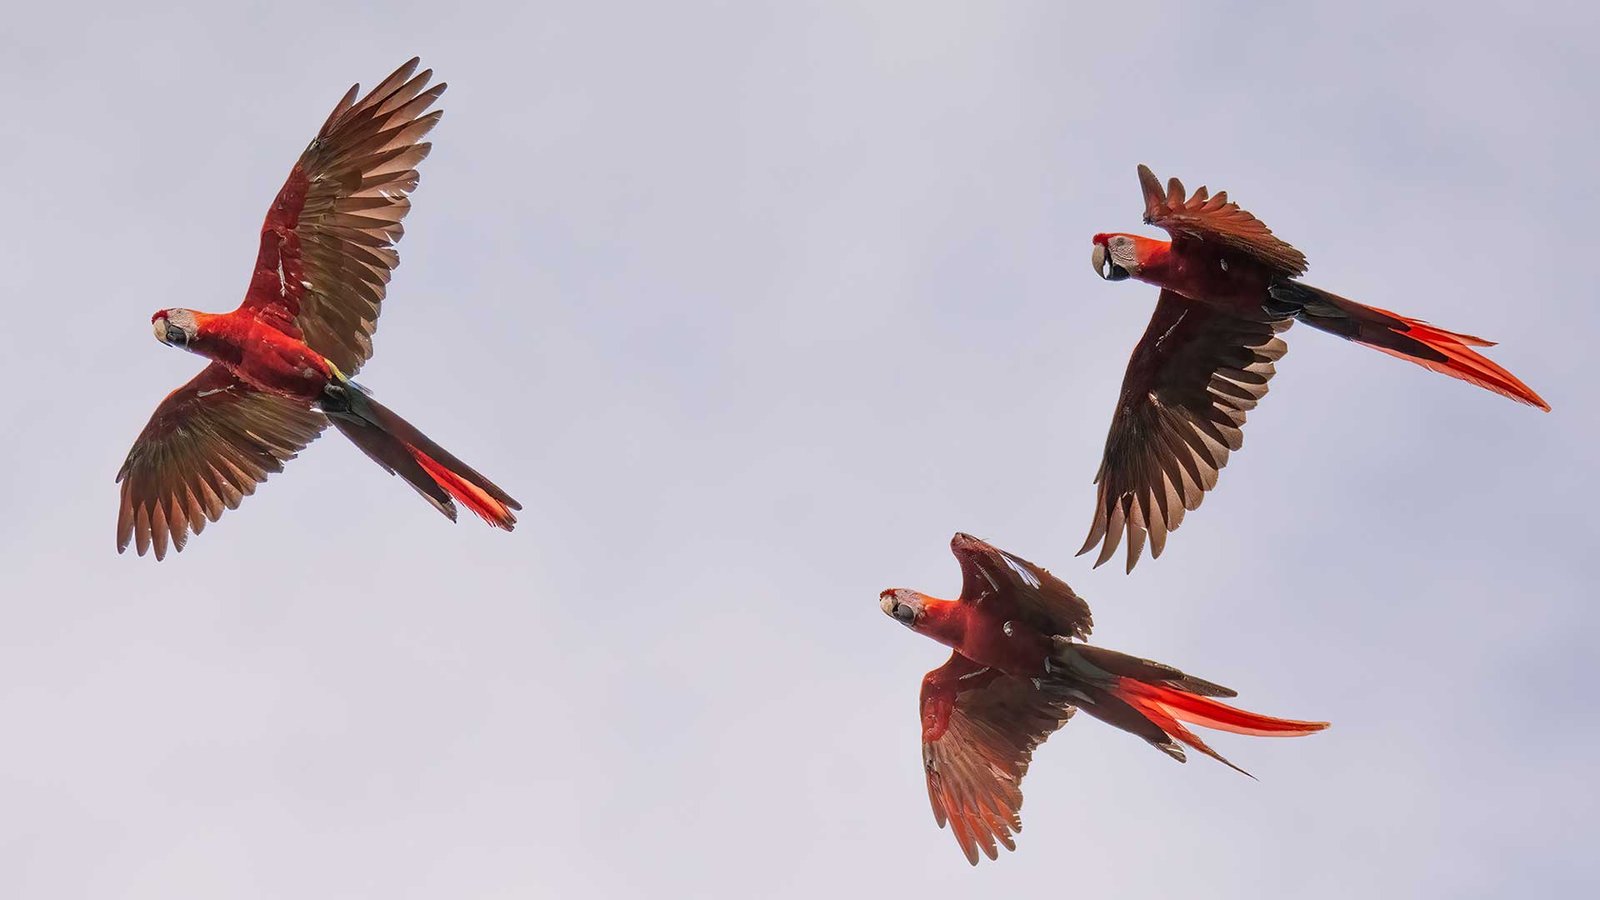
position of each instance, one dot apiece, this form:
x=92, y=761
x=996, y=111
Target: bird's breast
x=1010, y=645
x=1225, y=281
x=269, y=360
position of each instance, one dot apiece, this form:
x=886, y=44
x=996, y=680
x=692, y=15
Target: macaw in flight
x=281, y=363
x=1228, y=290
x=1017, y=673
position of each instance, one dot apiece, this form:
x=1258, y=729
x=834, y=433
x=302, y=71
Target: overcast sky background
x=752, y=305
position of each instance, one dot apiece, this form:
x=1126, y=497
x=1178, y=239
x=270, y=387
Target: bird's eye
x=905, y=613
x=176, y=335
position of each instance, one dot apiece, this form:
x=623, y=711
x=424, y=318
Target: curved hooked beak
x=168, y=334
x=1104, y=267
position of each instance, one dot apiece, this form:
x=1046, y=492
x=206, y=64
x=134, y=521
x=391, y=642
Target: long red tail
x=496, y=510
x=433, y=471
x=1167, y=707
x=1152, y=700
x=1405, y=338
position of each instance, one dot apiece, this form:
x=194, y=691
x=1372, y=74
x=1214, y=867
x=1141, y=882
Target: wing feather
x=1207, y=218
x=991, y=575
x=205, y=449
x=327, y=245
x=975, y=763
x=1192, y=379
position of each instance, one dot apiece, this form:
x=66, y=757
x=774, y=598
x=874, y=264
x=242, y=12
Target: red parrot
x=1018, y=673
x=281, y=363
x=1228, y=290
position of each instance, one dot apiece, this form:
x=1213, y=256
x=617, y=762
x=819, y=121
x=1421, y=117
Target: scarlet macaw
x=1228, y=290
x=281, y=363
x=1018, y=673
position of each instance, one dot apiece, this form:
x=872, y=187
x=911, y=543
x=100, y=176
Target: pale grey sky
x=753, y=305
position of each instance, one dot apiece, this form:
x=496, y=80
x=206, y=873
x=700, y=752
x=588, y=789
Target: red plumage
x=1229, y=289
x=281, y=362
x=1018, y=672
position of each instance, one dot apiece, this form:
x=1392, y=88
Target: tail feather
x=1413, y=340
x=1210, y=713
x=433, y=471
x=395, y=459
x=1163, y=719
x=1117, y=712
x=1146, y=670
x=491, y=509
x=1153, y=701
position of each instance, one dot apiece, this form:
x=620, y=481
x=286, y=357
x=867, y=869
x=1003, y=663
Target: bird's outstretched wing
x=1193, y=377
x=980, y=728
x=989, y=574
x=1206, y=218
x=327, y=245
x=204, y=450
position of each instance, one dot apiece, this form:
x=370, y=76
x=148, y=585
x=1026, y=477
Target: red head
x=1118, y=256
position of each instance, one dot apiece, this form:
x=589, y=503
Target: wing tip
x=1088, y=544
x=1150, y=186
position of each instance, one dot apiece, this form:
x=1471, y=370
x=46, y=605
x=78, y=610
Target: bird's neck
x=943, y=620
x=218, y=336
x=1155, y=260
